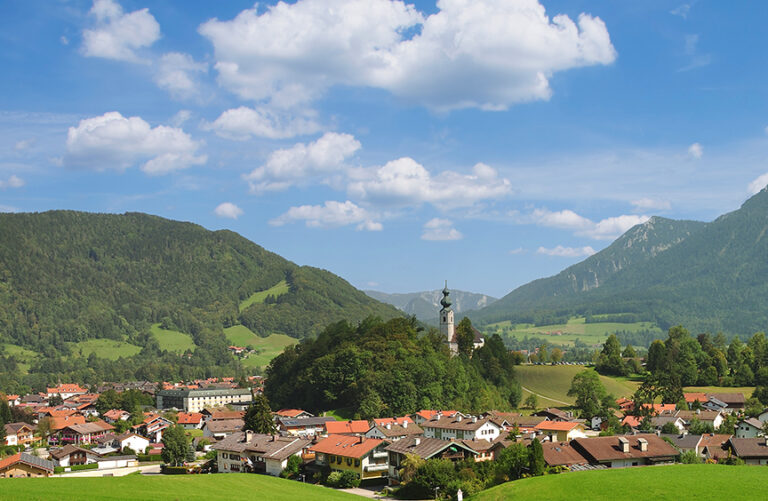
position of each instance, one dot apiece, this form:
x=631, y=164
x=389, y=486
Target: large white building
x=197, y=400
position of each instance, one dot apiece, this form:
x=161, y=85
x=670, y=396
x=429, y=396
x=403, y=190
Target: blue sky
x=486, y=142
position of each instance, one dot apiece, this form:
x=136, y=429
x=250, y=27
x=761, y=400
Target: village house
x=19, y=434
x=684, y=441
x=245, y=451
x=560, y=431
x=152, y=427
x=71, y=455
x=524, y=424
x=115, y=415
x=221, y=415
x=713, y=418
x=86, y=433
x=357, y=427
x=753, y=451
x=658, y=422
x=749, y=428
x=66, y=391
x=364, y=456
x=13, y=400
x=302, y=427
x=459, y=427
x=628, y=450
x=562, y=454
x=131, y=440
x=714, y=446
x=222, y=428
x=425, y=448
x=294, y=413
x=732, y=401
x=392, y=432
x=555, y=414
x=24, y=465
x=189, y=420
x=426, y=415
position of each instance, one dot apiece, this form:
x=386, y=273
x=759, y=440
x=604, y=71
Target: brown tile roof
x=729, y=398
x=749, y=447
x=219, y=415
x=525, y=421
x=15, y=428
x=225, y=425
x=395, y=430
x=701, y=415
x=607, y=448
x=425, y=448
x=269, y=446
x=716, y=445
x=67, y=450
x=554, y=412
x=347, y=446
x=478, y=445
x=561, y=454
x=86, y=428
x=290, y=412
x=342, y=427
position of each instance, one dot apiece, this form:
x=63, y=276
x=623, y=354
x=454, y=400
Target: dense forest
x=380, y=368
x=711, y=277
x=67, y=277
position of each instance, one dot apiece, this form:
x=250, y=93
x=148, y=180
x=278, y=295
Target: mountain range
x=707, y=276
x=425, y=305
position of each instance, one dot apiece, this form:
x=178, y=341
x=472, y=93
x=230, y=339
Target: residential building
x=713, y=418
x=195, y=400
x=426, y=415
x=294, y=413
x=459, y=427
x=555, y=414
x=24, y=465
x=392, y=431
x=115, y=415
x=71, y=455
x=66, y=391
x=358, y=427
x=222, y=428
x=245, y=451
x=752, y=450
x=303, y=427
x=684, y=442
x=19, y=434
x=714, y=446
x=561, y=431
x=86, y=433
x=364, y=456
x=562, y=454
x=524, y=424
x=749, y=428
x=627, y=450
x=152, y=427
x=732, y=401
x=658, y=422
x=190, y=420
x=425, y=448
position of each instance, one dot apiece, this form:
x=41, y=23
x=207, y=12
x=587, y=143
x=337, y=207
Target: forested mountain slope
x=708, y=277
x=71, y=276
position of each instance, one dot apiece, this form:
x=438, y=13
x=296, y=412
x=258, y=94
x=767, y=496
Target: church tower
x=447, y=328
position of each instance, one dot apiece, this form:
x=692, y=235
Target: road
x=546, y=398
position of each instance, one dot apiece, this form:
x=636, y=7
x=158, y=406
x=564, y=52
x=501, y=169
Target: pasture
x=173, y=340
x=276, y=290
x=270, y=346
x=551, y=383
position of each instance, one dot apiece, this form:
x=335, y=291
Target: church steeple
x=446, y=321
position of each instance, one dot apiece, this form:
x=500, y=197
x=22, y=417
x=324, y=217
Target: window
x=357, y=462
x=338, y=459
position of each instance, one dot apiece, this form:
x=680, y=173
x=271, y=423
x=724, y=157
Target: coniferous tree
x=537, y=464
x=258, y=417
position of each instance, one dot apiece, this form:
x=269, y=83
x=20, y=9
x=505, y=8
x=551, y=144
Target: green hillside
x=69, y=279
x=268, y=347
x=673, y=482
x=551, y=383
x=708, y=277
x=224, y=487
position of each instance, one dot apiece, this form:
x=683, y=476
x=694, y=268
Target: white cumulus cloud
x=178, y=74
x=118, y=35
x=332, y=214
x=111, y=141
x=228, y=210
x=758, y=184
x=12, y=182
x=486, y=54
x=561, y=251
x=301, y=163
x=440, y=230
x=696, y=151
x=605, y=229
x=242, y=123
x=642, y=204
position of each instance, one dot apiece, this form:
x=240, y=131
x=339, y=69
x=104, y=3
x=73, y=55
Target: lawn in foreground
x=554, y=381
x=224, y=487
x=699, y=482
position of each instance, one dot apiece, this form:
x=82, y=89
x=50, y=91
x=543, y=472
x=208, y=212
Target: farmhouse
x=751, y=450
x=19, y=434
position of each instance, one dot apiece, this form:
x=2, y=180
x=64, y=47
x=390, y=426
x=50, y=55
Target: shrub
x=342, y=479
x=173, y=470
x=690, y=457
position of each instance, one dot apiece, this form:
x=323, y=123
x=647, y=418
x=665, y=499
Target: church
x=448, y=328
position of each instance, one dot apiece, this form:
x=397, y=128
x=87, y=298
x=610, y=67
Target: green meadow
x=173, y=340
x=553, y=381
x=223, y=487
x=270, y=346
x=279, y=289
x=575, y=328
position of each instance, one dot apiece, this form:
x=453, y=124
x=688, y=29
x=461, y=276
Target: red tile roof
x=341, y=427
x=347, y=446
x=429, y=414
x=692, y=397
x=115, y=414
x=290, y=412
x=59, y=423
x=557, y=425
x=67, y=388
x=392, y=420
x=631, y=421
x=189, y=417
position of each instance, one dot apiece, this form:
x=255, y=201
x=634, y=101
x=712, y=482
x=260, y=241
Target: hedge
x=77, y=467
x=173, y=470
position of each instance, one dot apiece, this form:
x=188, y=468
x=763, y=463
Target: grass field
x=173, y=340
x=746, y=390
x=105, y=348
x=271, y=346
x=702, y=482
x=258, y=297
x=224, y=487
x=553, y=381
x=566, y=334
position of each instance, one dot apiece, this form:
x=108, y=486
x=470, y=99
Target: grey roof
x=310, y=421
x=13, y=428
x=396, y=430
x=86, y=428
x=754, y=422
x=36, y=461
x=749, y=447
x=683, y=442
x=426, y=448
x=266, y=446
x=225, y=425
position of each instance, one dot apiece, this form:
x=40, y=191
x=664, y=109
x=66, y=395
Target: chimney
x=623, y=444
x=362, y=439
x=248, y=436
x=643, y=444
x=388, y=426
x=405, y=423
x=474, y=419
x=458, y=418
x=417, y=441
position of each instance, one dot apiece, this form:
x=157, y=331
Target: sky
x=396, y=144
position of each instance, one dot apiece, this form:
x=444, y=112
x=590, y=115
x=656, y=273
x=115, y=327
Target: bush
x=690, y=457
x=143, y=458
x=89, y=466
x=173, y=470
x=58, y=469
x=342, y=479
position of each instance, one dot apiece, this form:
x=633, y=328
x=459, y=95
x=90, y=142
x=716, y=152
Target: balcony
x=380, y=455
x=377, y=467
